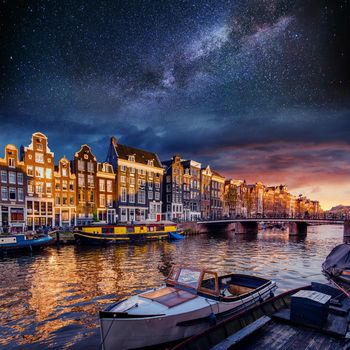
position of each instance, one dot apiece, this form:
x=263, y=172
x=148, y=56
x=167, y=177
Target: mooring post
x=297, y=228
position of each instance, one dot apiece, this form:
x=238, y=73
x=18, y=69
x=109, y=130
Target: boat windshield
x=185, y=277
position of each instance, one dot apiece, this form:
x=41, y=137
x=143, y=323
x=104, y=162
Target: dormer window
x=150, y=162
x=11, y=162
x=131, y=158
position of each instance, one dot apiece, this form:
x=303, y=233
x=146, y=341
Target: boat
x=133, y=233
x=337, y=264
x=311, y=317
x=23, y=242
x=189, y=302
x=176, y=236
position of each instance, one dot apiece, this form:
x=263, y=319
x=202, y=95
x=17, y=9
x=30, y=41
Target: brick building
x=139, y=182
x=12, y=191
x=39, y=164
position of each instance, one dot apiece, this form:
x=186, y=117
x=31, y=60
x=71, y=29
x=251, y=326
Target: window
x=12, y=177
x=57, y=185
x=4, y=194
x=20, y=178
x=139, y=171
x=39, y=146
x=91, y=196
x=64, y=185
x=150, y=162
x=131, y=158
x=141, y=197
x=81, y=196
x=49, y=208
x=157, y=196
x=102, y=200
x=157, y=185
x=71, y=200
x=168, y=207
x=90, y=181
x=39, y=172
x=81, y=165
x=20, y=194
x=168, y=197
x=150, y=185
x=39, y=187
x=65, y=200
x=39, y=158
x=109, y=186
x=90, y=167
x=81, y=180
x=30, y=186
x=11, y=162
x=150, y=175
x=48, y=173
x=64, y=171
x=3, y=176
x=123, y=194
x=168, y=188
x=123, y=168
x=168, y=178
x=58, y=199
x=48, y=188
x=109, y=200
x=102, y=185
x=122, y=179
x=132, y=181
x=143, y=182
x=132, y=170
x=150, y=194
x=132, y=195
x=71, y=185
x=30, y=170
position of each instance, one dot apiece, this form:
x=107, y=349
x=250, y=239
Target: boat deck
x=281, y=336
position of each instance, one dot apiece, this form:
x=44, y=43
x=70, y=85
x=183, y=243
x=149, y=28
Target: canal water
x=51, y=299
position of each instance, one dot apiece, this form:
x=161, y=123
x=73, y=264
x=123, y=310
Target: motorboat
x=189, y=302
x=337, y=264
x=22, y=242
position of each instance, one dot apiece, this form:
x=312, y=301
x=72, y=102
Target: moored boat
x=189, y=302
x=133, y=233
x=311, y=317
x=337, y=264
x=22, y=242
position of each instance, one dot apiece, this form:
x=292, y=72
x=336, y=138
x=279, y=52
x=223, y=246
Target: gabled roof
x=141, y=156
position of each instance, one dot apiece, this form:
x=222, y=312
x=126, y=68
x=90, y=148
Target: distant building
x=84, y=167
x=106, y=193
x=174, y=188
x=39, y=163
x=192, y=190
x=139, y=182
x=65, y=194
x=12, y=191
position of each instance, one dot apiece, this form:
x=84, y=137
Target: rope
x=104, y=338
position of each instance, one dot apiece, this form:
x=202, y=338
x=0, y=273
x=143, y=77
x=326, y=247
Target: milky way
x=247, y=86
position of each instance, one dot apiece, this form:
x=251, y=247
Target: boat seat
x=242, y=334
x=236, y=289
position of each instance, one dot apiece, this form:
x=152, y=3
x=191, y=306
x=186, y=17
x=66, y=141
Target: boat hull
x=28, y=244
x=85, y=238
x=132, y=333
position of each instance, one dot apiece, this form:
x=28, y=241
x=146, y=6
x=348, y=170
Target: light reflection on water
x=51, y=299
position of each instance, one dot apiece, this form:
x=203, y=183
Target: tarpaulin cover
x=337, y=260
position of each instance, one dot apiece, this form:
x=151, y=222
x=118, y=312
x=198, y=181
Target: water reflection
x=52, y=299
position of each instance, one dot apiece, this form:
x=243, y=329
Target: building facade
x=217, y=189
x=13, y=182
x=84, y=167
x=106, y=193
x=39, y=164
x=192, y=190
x=65, y=194
x=139, y=177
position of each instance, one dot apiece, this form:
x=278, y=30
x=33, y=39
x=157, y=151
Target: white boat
x=190, y=301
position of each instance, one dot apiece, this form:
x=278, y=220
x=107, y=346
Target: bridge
x=297, y=226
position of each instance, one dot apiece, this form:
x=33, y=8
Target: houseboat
x=22, y=242
x=112, y=234
x=189, y=302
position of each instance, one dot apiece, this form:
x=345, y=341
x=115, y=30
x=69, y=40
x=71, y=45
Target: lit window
x=49, y=188
x=30, y=186
x=39, y=172
x=102, y=185
x=90, y=167
x=39, y=187
x=132, y=170
x=109, y=200
x=102, y=200
x=131, y=195
x=131, y=158
x=39, y=157
x=64, y=185
x=150, y=162
x=81, y=165
x=123, y=168
x=64, y=172
x=141, y=197
x=48, y=173
x=122, y=179
x=30, y=170
x=109, y=186
x=81, y=180
x=91, y=181
x=71, y=185
x=123, y=194
x=132, y=181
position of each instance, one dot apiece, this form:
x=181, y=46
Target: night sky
x=258, y=89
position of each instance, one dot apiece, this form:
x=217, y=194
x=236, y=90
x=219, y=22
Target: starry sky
x=259, y=89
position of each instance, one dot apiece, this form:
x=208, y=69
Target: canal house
x=139, y=175
x=39, y=163
x=65, y=194
x=12, y=191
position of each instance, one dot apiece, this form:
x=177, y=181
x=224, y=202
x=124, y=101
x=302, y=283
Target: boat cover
x=338, y=260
